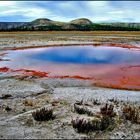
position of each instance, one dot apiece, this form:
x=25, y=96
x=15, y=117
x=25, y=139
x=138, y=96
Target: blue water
x=87, y=55
x=72, y=55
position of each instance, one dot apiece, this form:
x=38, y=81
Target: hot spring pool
x=105, y=66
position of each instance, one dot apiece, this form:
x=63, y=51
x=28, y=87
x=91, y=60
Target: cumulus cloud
x=7, y=3
x=97, y=11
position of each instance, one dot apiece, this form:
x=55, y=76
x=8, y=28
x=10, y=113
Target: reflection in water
x=105, y=66
x=87, y=55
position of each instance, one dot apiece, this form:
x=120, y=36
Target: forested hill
x=82, y=24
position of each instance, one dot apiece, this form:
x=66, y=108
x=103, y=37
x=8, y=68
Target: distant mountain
x=81, y=24
x=83, y=21
x=47, y=24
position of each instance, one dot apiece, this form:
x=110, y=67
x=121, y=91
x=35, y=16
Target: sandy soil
x=25, y=39
x=59, y=94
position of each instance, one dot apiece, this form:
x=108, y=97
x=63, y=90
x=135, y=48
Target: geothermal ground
x=20, y=95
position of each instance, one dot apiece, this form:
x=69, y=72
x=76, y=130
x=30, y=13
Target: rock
x=55, y=103
x=28, y=102
x=5, y=96
x=7, y=108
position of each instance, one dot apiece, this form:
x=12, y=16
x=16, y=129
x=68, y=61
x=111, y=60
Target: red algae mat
x=105, y=65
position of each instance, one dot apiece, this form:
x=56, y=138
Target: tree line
x=75, y=27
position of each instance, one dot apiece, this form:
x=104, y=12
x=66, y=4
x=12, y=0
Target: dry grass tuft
x=43, y=114
x=115, y=101
x=82, y=110
x=85, y=126
x=106, y=121
x=95, y=102
x=81, y=125
x=131, y=113
x=108, y=110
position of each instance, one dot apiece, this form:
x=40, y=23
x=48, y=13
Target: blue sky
x=97, y=11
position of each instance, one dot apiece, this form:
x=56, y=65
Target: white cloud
x=116, y=12
x=102, y=11
x=97, y=11
x=7, y=3
x=11, y=8
x=28, y=12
